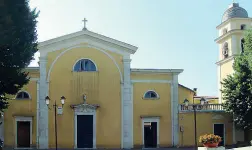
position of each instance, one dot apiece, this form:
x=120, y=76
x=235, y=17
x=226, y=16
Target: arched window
x=243, y=27
x=225, y=50
x=150, y=95
x=84, y=65
x=242, y=45
x=23, y=95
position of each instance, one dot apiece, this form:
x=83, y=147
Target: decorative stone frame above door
x=85, y=109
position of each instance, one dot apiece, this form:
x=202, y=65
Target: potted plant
x=210, y=140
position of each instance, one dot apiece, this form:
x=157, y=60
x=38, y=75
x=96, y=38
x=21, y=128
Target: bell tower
x=230, y=40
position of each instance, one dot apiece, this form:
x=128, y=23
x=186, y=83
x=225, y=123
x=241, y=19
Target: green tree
x=18, y=44
x=237, y=88
x=237, y=94
x=248, y=47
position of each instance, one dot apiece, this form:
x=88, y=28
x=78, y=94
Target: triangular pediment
x=86, y=37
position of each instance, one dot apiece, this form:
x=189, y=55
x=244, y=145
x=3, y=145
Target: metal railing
x=206, y=107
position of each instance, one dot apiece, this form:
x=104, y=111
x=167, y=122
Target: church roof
x=138, y=70
x=234, y=11
x=87, y=35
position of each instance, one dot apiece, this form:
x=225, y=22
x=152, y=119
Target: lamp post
x=62, y=100
x=194, y=106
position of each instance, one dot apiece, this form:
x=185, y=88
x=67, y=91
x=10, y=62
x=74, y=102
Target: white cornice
x=151, y=81
x=153, y=71
x=229, y=20
x=225, y=60
x=84, y=36
x=219, y=39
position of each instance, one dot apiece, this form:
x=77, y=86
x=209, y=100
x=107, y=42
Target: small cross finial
x=85, y=20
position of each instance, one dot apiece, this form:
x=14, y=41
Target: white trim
x=224, y=134
x=229, y=33
x=151, y=81
x=88, y=35
x=175, y=110
x=136, y=70
x=83, y=46
x=84, y=111
x=231, y=19
x=96, y=69
x=23, y=98
x=150, y=119
x=225, y=60
x=43, y=109
x=38, y=113
x=151, y=91
x=22, y=119
x=127, y=111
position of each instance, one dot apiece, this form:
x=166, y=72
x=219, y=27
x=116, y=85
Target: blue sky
x=169, y=34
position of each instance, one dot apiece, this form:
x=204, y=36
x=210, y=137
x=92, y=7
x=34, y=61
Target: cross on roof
x=85, y=20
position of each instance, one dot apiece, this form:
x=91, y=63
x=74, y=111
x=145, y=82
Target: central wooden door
x=85, y=131
x=150, y=134
x=219, y=129
x=23, y=134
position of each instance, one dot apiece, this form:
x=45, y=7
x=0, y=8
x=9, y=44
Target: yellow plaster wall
x=148, y=76
x=157, y=107
x=205, y=122
x=102, y=87
x=226, y=69
x=20, y=108
x=185, y=94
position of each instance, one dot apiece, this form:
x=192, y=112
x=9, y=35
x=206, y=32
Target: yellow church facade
x=107, y=103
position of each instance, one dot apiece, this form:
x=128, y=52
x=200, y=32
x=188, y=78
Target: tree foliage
x=237, y=88
x=18, y=45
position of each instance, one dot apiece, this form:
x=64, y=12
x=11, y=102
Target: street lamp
x=62, y=100
x=202, y=102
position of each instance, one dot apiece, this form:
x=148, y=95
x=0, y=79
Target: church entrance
x=23, y=134
x=150, y=134
x=219, y=129
x=85, y=131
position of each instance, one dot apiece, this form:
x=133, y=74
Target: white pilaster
x=43, y=110
x=234, y=49
x=127, y=110
x=174, y=109
x=38, y=113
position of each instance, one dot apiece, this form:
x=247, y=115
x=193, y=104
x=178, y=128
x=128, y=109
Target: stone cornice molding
x=219, y=39
x=157, y=71
x=85, y=36
x=225, y=60
x=229, y=20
